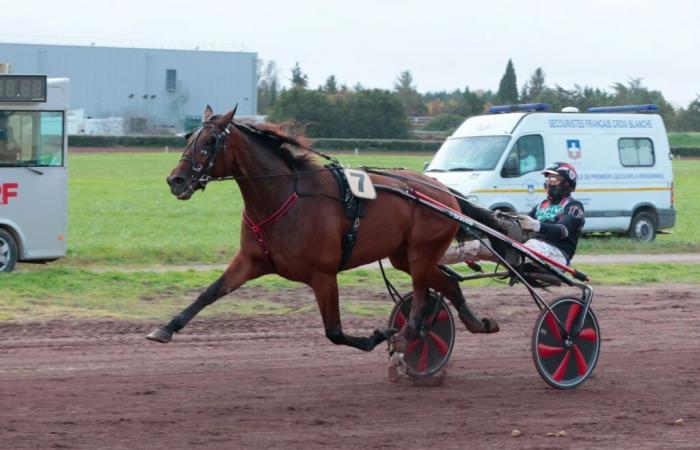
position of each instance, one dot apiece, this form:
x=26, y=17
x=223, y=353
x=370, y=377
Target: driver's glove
x=528, y=223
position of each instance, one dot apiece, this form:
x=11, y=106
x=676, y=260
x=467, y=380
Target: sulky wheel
x=562, y=360
x=430, y=350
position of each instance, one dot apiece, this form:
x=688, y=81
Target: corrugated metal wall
x=131, y=82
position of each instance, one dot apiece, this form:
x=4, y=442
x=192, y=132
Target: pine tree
x=411, y=99
x=508, y=88
x=299, y=78
x=534, y=89
x=331, y=85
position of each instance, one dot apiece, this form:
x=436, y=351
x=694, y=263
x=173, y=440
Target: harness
x=353, y=207
x=258, y=228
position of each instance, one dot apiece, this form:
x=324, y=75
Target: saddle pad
x=360, y=183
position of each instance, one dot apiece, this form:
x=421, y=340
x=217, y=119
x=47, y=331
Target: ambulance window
x=527, y=155
x=31, y=138
x=636, y=152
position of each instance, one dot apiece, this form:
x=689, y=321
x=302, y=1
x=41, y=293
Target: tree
x=268, y=85
x=299, y=78
x=373, y=114
x=534, y=89
x=689, y=119
x=411, y=99
x=508, y=88
x=633, y=93
x=311, y=109
x=469, y=104
x=331, y=85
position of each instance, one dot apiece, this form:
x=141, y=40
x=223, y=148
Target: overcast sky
x=445, y=44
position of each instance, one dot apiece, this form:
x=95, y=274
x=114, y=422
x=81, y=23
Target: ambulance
x=621, y=154
x=33, y=169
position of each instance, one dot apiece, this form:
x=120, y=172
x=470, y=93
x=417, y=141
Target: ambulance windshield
x=469, y=153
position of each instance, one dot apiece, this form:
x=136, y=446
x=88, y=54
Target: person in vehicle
x=8, y=146
x=555, y=223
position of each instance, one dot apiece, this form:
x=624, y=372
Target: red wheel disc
x=565, y=361
x=427, y=353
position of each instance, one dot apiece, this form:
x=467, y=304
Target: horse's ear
x=233, y=114
x=206, y=115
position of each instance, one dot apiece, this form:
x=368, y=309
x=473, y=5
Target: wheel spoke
x=441, y=345
x=571, y=316
x=442, y=315
x=588, y=334
x=561, y=370
x=546, y=351
x=580, y=361
x=423, y=360
x=400, y=320
x=553, y=327
x=412, y=345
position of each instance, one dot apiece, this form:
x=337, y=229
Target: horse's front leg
x=325, y=287
x=240, y=270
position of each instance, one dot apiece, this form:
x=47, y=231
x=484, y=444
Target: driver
x=8, y=147
x=556, y=222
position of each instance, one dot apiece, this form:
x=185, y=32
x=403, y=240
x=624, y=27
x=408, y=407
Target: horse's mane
x=292, y=149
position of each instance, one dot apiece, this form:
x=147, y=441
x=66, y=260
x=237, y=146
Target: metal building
x=162, y=86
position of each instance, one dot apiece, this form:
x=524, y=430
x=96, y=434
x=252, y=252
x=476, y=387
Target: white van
x=33, y=169
x=621, y=154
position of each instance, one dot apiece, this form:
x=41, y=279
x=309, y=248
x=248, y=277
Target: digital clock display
x=22, y=88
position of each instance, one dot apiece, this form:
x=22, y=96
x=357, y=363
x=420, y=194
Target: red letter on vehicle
x=9, y=190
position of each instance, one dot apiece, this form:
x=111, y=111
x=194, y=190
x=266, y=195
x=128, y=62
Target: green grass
x=121, y=212
x=691, y=139
x=56, y=292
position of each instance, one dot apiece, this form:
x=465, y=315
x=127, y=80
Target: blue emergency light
x=623, y=108
x=523, y=107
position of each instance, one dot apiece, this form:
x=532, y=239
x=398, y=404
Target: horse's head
x=204, y=155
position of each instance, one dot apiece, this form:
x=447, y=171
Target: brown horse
x=294, y=222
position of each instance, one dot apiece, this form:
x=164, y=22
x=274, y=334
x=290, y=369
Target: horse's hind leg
x=240, y=270
x=419, y=269
x=325, y=287
x=449, y=287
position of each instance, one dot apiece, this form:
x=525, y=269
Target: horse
x=293, y=223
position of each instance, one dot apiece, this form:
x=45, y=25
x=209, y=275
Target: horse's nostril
x=176, y=181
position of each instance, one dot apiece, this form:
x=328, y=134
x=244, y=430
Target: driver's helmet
x=565, y=170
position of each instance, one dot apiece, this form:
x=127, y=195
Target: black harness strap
x=354, y=210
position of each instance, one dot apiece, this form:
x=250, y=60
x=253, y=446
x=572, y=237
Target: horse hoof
x=490, y=325
x=396, y=367
x=382, y=334
x=160, y=335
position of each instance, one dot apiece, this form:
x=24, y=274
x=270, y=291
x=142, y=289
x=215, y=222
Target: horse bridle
x=200, y=172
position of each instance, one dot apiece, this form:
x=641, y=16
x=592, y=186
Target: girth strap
x=258, y=228
x=353, y=208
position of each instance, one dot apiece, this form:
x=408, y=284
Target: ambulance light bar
x=523, y=107
x=624, y=108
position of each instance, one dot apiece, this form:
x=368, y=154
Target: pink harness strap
x=258, y=228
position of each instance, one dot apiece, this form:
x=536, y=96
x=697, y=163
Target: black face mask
x=557, y=191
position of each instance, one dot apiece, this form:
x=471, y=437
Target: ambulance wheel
x=430, y=349
x=643, y=226
x=564, y=361
x=8, y=251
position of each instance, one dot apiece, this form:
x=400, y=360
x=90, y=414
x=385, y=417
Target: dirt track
x=277, y=383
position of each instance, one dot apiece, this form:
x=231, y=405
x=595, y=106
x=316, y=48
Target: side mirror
x=510, y=168
x=425, y=165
